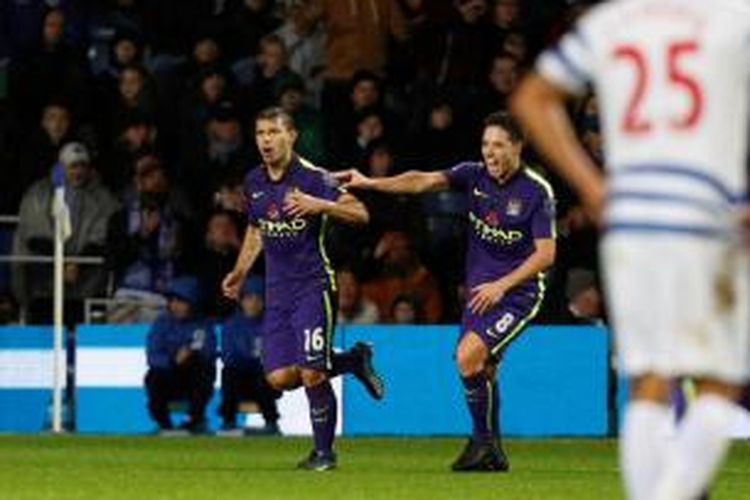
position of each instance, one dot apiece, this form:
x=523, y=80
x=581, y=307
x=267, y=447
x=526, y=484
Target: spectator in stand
x=181, y=355
x=243, y=377
x=501, y=81
x=406, y=310
x=149, y=242
x=221, y=245
x=443, y=142
x=305, y=43
x=251, y=21
x=91, y=205
x=223, y=153
x=584, y=299
x=54, y=69
x=354, y=308
x=310, y=141
x=137, y=137
x=214, y=88
x=125, y=49
x=402, y=273
x=261, y=76
x=230, y=196
x=135, y=94
x=514, y=44
x=369, y=127
x=505, y=19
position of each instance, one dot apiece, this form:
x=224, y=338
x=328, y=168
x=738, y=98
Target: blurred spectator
x=305, y=43
x=262, y=75
x=181, y=354
x=310, y=142
x=91, y=206
x=230, y=196
x=221, y=245
x=8, y=309
x=501, y=81
x=214, y=87
x=505, y=16
x=369, y=127
x=251, y=21
x=514, y=44
x=149, y=239
x=402, y=273
x=442, y=143
x=354, y=308
x=54, y=69
x=137, y=137
x=584, y=299
x=406, y=310
x=242, y=376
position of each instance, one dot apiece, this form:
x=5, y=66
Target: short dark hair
x=505, y=121
x=276, y=113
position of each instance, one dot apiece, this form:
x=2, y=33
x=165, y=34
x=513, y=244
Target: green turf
x=141, y=468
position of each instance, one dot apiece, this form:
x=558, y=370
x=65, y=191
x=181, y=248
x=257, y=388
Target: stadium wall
x=554, y=382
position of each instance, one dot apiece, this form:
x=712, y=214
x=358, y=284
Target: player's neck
x=508, y=174
x=277, y=170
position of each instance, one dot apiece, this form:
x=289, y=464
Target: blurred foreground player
x=672, y=80
x=289, y=204
x=511, y=244
x=242, y=375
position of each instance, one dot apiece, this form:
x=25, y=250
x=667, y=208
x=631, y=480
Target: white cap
x=74, y=152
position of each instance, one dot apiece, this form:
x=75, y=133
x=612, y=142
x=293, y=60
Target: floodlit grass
x=103, y=468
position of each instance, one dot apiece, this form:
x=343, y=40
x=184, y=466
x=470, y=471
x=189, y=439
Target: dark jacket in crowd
x=241, y=341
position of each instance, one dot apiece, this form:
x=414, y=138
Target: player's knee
x=650, y=387
x=469, y=362
x=285, y=379
x=311, y=378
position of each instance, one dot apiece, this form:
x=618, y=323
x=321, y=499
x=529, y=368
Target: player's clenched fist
x=231, y=284
x=299, y=204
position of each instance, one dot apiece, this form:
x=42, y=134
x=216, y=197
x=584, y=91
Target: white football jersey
x=672, y=79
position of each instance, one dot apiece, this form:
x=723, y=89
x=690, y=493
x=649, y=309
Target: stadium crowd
x=149, y=106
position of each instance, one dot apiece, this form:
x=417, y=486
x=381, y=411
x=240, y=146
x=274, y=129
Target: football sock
x=478, y=394
x=701, y=443
x=344, y=362
x=643, y=446
x=322, y=415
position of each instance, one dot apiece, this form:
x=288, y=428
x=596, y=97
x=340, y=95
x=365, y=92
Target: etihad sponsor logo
x=282, y=228
x=494, y=234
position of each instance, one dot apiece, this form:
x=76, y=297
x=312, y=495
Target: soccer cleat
x=365, y=371
x=318, y=461
x=481, y=457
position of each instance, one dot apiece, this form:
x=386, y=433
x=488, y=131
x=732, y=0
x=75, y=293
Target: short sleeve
x=570, y=63
x=543, y=218
x=461, y=177
x=328, y=187
x=250, y=194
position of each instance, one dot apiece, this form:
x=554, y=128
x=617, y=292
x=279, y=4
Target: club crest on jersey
x=492, y=218
x=514, y=208
x=273, y=212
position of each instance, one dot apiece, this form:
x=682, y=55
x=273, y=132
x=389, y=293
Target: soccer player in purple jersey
x=289, y=203
x=511, y=244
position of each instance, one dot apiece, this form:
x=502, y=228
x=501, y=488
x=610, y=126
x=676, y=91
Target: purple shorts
x=499, y=326
x=298, y=328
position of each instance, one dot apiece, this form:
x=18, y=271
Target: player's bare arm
x=346, y=208
x=411, y=182
x=251, y=248
x=540, y=107
x=486, y=295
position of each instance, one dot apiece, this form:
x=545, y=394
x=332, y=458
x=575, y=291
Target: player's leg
x=701, y=442
x=262, y=393
x=358, y=362
x=323, y=416
x=313, y=326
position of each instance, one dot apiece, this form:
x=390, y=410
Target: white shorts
x=679, y=305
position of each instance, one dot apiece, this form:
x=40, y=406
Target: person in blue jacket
x=181, y=354
x=243, y=377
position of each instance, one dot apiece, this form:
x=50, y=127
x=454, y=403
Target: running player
x=672, y=81
x=511, y=243
x=289, y=203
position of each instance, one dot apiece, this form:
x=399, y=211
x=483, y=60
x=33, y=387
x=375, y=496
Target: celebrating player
x=289, y=203
x=672, y=80
x=511, y=243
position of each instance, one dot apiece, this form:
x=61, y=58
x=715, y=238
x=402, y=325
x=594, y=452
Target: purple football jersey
x=294, y=246
x=504, y=220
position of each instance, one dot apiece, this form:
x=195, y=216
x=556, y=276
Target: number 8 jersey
x=671, y=77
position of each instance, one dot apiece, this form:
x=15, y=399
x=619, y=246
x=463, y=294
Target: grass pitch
x=103, y=468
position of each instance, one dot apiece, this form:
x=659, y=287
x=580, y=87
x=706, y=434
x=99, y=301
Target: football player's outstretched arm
x=411, y=182
x=540, y=107
x=251, y=248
